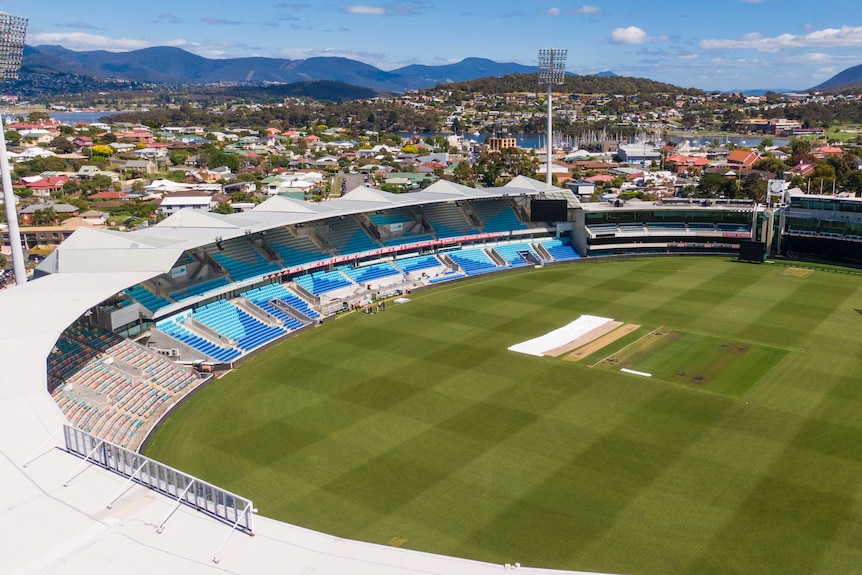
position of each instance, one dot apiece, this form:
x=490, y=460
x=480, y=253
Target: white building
x=199, y=201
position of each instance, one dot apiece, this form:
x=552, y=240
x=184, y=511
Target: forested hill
x=573, y=85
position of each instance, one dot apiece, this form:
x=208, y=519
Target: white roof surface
x=48, y=528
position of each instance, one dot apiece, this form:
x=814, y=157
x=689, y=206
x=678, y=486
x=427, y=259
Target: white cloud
x=633, y=36
x=373, y=58
x=846, y=36
x=85, y=41
x=365, y=10
x=587, y=9
x=553, y=11
x=81, y=41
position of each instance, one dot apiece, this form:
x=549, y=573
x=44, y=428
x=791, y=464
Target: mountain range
x=849, y=80
x=174, y=66
x=167, y=65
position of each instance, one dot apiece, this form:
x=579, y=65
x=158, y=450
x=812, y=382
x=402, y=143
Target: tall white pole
x=549, y=145
x=11, y=212
x=13, y=30
x=552, y=70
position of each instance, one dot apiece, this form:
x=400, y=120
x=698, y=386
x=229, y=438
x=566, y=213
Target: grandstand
x=560, y=249
x=294, y=251
x=322, y=282
x=240, y=259
x=497, y=216
x=473, y=261
x=520, y=254
x=824, y=228
x=448, y=220
x=223, y=310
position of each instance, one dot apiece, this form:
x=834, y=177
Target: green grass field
x=416, y=427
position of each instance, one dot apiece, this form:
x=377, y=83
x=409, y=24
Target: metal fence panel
x=206, y=498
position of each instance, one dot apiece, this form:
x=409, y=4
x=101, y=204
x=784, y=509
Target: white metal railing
x=183, y=488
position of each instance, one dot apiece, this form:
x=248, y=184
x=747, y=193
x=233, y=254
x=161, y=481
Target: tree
x=688, y=121
x=771, y=164
x=102, y=150
x=45, y=217
x=465, y=174
x=505, y=165
x=178, y=157
x=715, y=185
x=13, y=138
x=223, y=208
x=71, y=187
x=54, y=164
x=36, y=117
x=754, y=187
x=62, y=145
x=217, y=159
x=799, y=148
x=101, y=182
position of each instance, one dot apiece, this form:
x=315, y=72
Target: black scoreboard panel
x=549, y=211
x=751, y=251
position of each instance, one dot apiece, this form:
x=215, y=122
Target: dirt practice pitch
x=591, y=346
x=416, y=427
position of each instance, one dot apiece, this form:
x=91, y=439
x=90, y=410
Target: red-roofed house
x=112, y=196
x=681, y=163
x=42, y=187
x=801, y=169
x=600, y=178
x=140, y=135
x=745, y=158
x=43, y=125
x=828, y=152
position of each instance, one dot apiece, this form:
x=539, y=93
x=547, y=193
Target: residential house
x=744, y=158
x=122, y=147
x=801, y=169
x=582, y=188
x=191, y=199
x=136, y=135
x=43, y=187
x=112, y=195
x=63, y=211
x=828, y=152
x=44, y=236
x=687, y=164
x=30, y=153
x=146, y=166
x=95, y=217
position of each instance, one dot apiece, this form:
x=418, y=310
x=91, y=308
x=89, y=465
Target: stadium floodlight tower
x=552, y=71
x=13, y=29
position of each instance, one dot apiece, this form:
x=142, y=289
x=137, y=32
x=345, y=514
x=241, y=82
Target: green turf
x=704, y=361
x=417, y=427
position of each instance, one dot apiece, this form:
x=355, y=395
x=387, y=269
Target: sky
x=707, y=44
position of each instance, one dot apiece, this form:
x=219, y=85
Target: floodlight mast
x=13, y=30
x=552, y=71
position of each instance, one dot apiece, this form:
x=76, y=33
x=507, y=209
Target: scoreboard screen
x=549, y=211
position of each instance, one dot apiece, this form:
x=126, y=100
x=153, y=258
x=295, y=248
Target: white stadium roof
x=47, y=527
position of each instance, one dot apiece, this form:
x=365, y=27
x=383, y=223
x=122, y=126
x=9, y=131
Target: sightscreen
x=751, y=251
x=549, y=211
